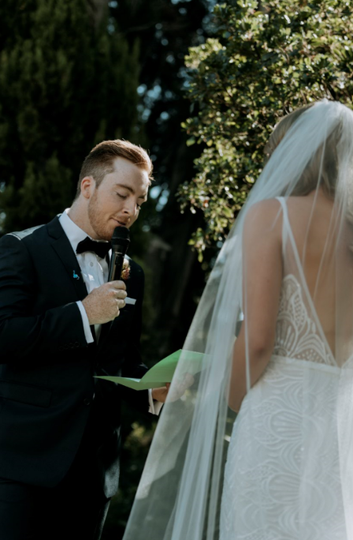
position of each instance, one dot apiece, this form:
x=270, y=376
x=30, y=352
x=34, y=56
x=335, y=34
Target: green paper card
x=160, y=373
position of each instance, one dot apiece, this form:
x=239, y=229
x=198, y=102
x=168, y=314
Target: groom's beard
x=100, y=223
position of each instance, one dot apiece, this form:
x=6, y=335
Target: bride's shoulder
x=264, y=215
x=265, y=209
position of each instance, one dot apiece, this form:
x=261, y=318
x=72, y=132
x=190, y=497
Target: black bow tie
x=101, y=248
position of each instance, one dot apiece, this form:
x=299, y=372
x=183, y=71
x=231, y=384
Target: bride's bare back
x=325, y=261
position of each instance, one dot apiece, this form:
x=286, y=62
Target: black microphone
x=120, y=242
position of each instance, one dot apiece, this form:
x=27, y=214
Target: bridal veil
x=180, y=493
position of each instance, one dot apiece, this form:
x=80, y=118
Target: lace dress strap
x=285, y=225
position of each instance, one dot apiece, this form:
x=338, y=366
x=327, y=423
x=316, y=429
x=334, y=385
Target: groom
x=62, y=323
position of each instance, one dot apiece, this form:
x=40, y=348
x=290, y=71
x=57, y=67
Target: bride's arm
x=262, y=278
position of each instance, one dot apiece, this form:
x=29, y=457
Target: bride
x=260, y=446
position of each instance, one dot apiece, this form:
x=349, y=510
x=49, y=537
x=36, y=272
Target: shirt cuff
x=85, y=323
x=155, y=406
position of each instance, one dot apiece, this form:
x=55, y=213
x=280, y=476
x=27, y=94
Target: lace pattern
x=273, y=487
x=296, y=333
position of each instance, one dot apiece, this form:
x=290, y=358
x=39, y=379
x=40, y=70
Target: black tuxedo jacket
x=48, y=392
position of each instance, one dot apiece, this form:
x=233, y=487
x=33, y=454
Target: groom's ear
x=88, y=185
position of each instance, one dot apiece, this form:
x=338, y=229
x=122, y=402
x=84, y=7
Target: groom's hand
x=160, y=394
x=177, y=391
x=104, y=303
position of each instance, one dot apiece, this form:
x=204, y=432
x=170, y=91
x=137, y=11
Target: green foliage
x=45, y=191
x=66, y=83
x=265, y=59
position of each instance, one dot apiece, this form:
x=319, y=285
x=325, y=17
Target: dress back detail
x=298, y=334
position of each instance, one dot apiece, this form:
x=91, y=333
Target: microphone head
x=120, y=238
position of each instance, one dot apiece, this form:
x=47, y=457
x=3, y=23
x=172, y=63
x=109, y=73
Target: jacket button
x=87, y=401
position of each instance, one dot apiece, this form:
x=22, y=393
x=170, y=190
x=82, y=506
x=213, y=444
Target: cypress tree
x=67, y=81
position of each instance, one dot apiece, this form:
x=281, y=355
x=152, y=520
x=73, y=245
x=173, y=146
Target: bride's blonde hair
x=322, y=168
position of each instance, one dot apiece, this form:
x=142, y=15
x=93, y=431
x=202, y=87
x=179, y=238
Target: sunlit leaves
x=265, y=59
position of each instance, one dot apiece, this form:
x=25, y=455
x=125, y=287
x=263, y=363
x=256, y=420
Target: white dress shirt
x=94, y=272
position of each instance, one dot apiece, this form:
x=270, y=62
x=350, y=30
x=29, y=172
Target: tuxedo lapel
x=63, y=249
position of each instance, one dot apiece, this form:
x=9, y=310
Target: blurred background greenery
x=198, y=84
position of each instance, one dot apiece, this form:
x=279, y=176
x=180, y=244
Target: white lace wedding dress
x=282, y=477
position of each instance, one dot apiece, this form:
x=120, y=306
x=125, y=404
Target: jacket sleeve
x=22, y=331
